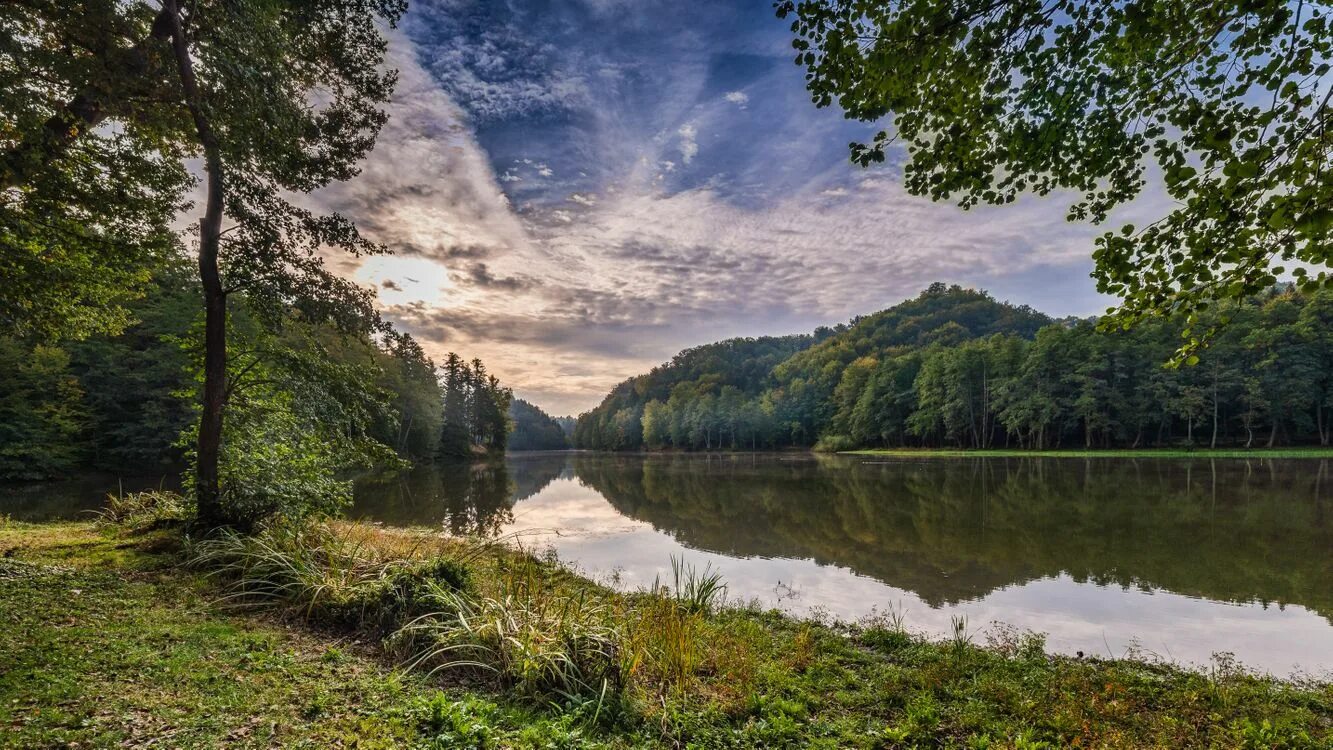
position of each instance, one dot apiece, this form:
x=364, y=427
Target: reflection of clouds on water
x=1099, y=620
x=1100, y=556
x=567, y=509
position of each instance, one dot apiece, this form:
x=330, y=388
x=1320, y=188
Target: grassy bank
x=1111, y=453
x=305, y=638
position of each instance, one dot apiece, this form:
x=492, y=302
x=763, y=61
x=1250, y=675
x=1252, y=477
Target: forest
x=306, y=400
x=534, y=430
x=954, y=368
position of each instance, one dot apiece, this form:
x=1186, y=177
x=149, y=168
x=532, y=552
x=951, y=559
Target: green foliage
x=955, y=368
x=734, y=370
x=533, y=429
x=88, y=210
x=476, y=407
x=147, y=509
x=41, y=411
x=747, y=678
x=1227, y=102
x=136, y=384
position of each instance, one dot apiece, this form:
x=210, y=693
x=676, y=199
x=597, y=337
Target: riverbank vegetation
x=292, y=636
x=954, y=368
x=127, y=402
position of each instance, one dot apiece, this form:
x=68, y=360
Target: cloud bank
x=576, y=190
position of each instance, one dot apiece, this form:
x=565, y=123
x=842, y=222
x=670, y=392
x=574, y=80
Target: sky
x=575, y=190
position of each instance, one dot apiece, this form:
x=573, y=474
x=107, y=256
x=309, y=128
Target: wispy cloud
x=543, y=182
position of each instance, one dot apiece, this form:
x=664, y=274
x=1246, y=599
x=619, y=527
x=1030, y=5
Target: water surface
x=1180, y=559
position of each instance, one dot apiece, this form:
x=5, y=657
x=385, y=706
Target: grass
x=349, y=635
x=1101, y=453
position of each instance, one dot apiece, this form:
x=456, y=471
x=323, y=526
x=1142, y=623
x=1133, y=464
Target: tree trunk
x=1272, y=435
x=209, y=445
x=1213, y=443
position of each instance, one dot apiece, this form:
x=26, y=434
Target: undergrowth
x=531, y=655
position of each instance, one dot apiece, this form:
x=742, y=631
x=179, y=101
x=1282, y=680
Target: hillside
x=534, y=429
x=777, y=391
x=955, y=368
x=733, y=369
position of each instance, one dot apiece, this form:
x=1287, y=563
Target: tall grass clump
x=333, y=576
x=696, y=591
x=144, y=510
x=532, y=635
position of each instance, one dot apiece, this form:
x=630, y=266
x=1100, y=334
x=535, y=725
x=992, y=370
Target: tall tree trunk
x=1213, y=443
x=215, y=296
x=1272, y=435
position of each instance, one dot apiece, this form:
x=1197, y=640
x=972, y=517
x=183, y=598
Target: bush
x=834, y=444
x=329, y=576
x=147, y=509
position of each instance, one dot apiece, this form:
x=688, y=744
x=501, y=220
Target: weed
x=698, y=592
x=144, y=510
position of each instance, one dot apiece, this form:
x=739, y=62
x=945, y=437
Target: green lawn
x=107, y=641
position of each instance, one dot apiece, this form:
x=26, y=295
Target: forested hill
x=735, y=371
x=956, y=368
x=533, y=429
x=750, y=385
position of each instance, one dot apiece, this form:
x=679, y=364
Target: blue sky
x=577, y=189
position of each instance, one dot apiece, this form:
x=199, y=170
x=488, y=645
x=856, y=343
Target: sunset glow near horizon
x=575, y=190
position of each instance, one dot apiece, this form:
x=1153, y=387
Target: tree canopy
x=955, y=368
x=1224, y=104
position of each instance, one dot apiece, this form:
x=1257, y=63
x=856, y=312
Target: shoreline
x=1173, y=453
x=688, y=672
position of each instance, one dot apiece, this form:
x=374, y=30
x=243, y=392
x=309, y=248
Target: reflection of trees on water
x=466, y=499
x=1255, y=530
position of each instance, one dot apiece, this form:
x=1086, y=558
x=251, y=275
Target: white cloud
x=689, y=147
x=739, y=98
x=566, y=302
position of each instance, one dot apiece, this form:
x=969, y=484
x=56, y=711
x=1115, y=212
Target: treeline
x=475, y=409
x=306, y=402
x=955, y=368
x=534, y=429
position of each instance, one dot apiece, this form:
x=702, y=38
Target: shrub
x=147, y=509
x=834, y=444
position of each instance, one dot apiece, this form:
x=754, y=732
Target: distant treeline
x=126, y=403
x=955, y=368
x=535, y=430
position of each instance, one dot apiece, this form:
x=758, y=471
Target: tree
x=262, y=65
x=86, y=210
x=278, y=97
x=656, y=424
x=1228, y=101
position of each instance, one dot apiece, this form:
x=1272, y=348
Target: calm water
x=1180, y=559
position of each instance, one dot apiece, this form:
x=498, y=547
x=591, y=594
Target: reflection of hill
x=956, y=530
x=461, y=498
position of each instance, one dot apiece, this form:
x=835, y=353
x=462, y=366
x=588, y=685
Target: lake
x=1178, y=559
